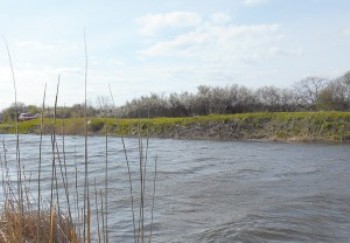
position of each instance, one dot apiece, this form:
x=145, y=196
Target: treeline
x=310, y=94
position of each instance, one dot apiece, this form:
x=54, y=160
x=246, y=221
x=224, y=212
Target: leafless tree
x=308, y=90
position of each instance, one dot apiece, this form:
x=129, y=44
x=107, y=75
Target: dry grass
x=16, y=226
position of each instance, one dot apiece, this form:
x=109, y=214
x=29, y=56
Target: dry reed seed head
x=18, y=227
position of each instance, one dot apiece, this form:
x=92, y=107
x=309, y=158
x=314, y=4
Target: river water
x=206, y=191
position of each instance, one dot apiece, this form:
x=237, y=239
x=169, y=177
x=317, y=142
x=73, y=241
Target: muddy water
x=205, y=191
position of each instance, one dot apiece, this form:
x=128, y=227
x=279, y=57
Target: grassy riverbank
x=296, y=126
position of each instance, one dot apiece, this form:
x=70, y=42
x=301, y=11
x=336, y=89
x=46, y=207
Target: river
x=206, y=191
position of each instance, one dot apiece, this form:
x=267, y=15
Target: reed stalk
x=128, y=168
x=105, y=211
x=40, y=165
x=86, y=232
x=76, y=180
x=44, y=222
x=97, y=214
x=6, y=183
x=53, y=167
x=18, y=154
x=63, y=170
x=104, y=228
x=153, y=200
x=142, y=182
x=66, y=183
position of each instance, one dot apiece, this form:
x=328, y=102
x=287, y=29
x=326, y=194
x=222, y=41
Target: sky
x=163, y=46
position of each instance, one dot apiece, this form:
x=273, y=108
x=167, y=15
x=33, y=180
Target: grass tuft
x=17, y=226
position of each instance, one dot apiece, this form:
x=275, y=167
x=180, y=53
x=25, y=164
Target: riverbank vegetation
x=292, y=126
x=314, y=108
x=310, y=94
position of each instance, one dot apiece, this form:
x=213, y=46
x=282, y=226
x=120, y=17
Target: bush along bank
x=280, y=126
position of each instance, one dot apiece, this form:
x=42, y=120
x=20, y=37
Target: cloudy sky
x=162, y=46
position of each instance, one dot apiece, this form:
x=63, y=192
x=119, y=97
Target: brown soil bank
x=305, y=127
x=298, y=126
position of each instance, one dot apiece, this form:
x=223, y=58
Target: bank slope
x=293, y=126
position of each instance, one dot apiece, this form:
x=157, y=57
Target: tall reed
x=86, y=232
x=29, y=218
x=40, y=164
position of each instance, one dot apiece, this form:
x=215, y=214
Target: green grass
x=329, y=126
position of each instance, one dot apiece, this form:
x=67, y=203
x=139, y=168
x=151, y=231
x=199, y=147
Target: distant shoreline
x=266, y=126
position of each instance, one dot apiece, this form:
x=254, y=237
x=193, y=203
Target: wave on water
x=319, y=218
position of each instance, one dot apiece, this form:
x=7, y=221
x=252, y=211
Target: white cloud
x=252, y=3
x=220, y=18
x=152, y=23
x=70, y=70
x=178, y=46
x=116, y=62
x=224, y=44
x=34, y=45
x=277, y=51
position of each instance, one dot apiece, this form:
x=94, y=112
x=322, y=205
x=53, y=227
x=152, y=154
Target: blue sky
x=139, y=47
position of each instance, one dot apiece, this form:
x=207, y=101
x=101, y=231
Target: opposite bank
x=281, y=126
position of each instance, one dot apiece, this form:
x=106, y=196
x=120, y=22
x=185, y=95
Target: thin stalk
x=129, y=171
x=86, y=232
x=147, y=137
x=52, y=170
x=130, y=185
x=97, y=214
x=65, y=170
x=18, y=157
x=53, y=166
x=40, y=164
x=141, y=216
x=145, y=173
x=56, y=178
x=7, y=187
x=26, y=188
x=145, y=156
x=104, y=228
x=105, y=214
x=88, y=216
x=3, y=181
x=52, y=224
x=106, y=183
x=76, y=178
x=153, y=199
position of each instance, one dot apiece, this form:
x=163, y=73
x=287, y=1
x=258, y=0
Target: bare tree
x=336, y=96
x=308, y=90
x=270, y=97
